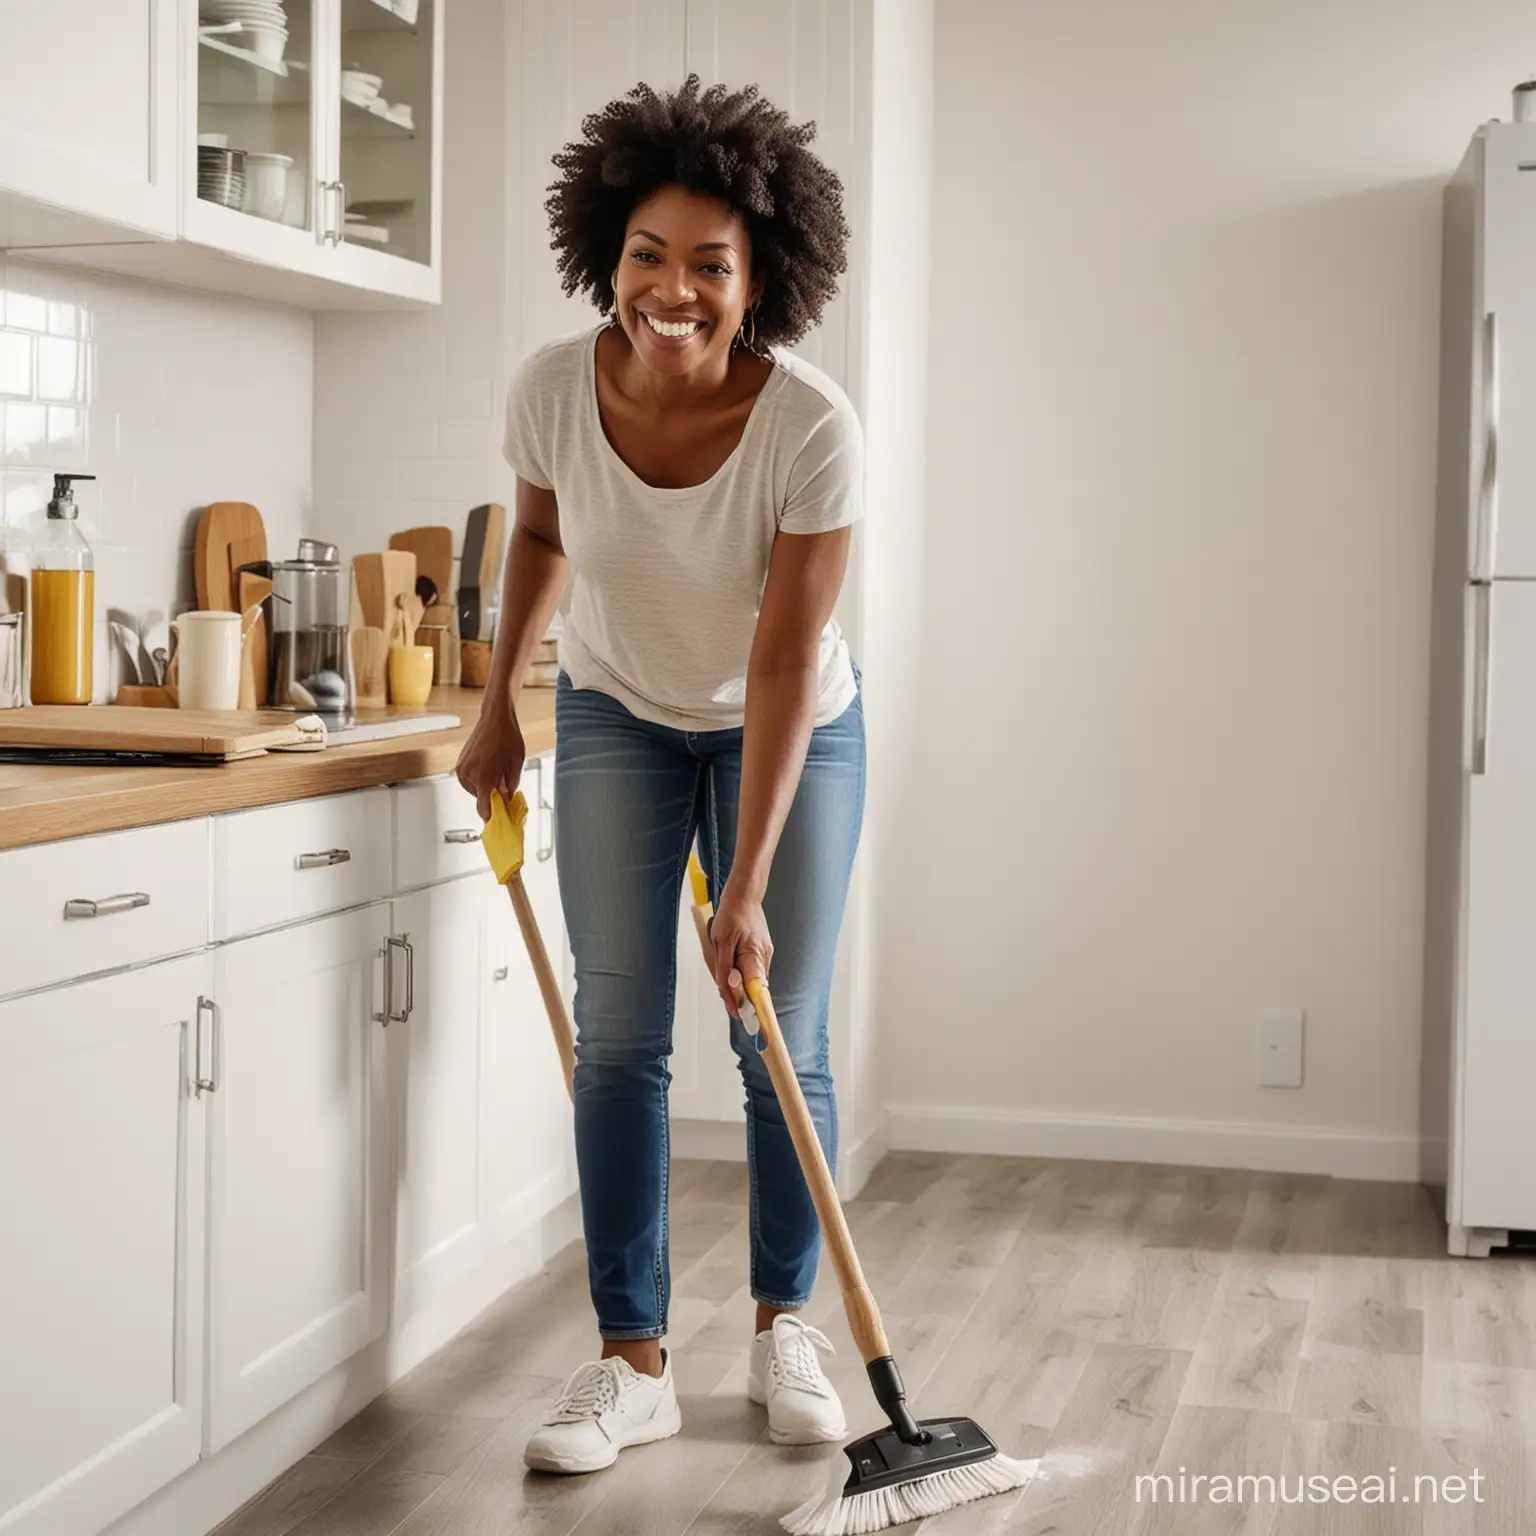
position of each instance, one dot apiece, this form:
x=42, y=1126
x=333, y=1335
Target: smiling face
x=684, y=280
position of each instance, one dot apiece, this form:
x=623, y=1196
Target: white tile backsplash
x=172, y=400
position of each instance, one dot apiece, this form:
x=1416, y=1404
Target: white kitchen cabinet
x=298, y=1160
x=706, y=1080
x=120, y=156
x=279, y=864
x=89, y=98
x=525, y=1111
x=343, y=155
x=435, y=1089
x=102, y=903
x=101, y=1244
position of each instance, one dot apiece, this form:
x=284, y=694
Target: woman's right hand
x=492, y=758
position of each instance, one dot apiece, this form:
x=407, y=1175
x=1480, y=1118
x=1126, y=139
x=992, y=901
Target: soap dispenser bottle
x=63, y=602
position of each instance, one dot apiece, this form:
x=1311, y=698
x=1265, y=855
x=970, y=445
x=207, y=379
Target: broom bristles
x=860, y=1514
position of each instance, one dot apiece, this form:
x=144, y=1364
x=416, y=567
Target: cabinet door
x=385, y=121
x=529, y=1158
x=434, y=1057
x=706, y=1082
x=1497, y=1174
x=259, y=91
x=88, y=108
x=101, y=1246
x=298, y=1162
x=1504, y=446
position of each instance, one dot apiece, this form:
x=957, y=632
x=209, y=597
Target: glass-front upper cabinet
x=318, y=139
x=388, y=75
x=258, y=123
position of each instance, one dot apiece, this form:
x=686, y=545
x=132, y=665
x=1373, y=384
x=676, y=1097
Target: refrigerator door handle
x=1482, y=673
x=1488, y=494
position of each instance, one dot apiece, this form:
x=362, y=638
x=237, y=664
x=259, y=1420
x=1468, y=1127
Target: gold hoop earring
x=749, y=342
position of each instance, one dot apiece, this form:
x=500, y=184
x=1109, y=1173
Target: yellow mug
x=410, y=674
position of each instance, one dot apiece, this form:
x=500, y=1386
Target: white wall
x=1182, y=467
x=892, y=254
x=172, y=399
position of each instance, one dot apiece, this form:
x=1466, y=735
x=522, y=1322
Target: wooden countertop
x=43, y=804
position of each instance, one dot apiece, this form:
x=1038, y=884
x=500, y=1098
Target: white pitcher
x=208, y=657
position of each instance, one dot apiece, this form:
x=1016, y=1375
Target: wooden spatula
x=222, y=525
x=256, y=589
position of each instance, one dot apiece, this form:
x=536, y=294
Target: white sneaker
x=605, y=1406
x=785, y=1375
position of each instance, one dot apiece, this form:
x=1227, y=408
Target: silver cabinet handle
x=341, y=212
x=323, y=860
x=546, y=850
x=323, y=212
x=1482, y=673
x=499, y=974
x=204, y=1085
x=382, y=1016
x=106, y=906
x=461, y=835
x=401, y=941
x=1488, y=494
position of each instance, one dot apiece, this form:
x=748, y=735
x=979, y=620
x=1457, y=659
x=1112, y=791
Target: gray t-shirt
x=665, y=585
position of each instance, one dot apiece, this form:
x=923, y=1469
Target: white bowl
x=267, y=42
x=266, y=185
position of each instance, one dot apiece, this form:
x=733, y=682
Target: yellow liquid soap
x=63, y=636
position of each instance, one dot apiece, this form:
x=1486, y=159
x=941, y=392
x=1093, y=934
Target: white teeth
x=672, y=327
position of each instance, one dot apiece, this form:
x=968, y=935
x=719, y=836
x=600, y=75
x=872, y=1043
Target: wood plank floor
x=1111, y=1320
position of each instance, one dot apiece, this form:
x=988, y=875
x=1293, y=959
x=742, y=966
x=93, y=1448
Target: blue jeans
x=632, y=798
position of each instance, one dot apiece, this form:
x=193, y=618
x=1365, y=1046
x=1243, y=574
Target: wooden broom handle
x=858, y=1301
x=549, y=983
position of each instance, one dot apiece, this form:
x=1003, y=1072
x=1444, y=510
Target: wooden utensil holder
x=474, y=663
x=145, y=696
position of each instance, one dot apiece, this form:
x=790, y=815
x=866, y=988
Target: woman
x=697, y=487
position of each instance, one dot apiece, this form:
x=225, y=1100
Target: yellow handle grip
x=502, y=835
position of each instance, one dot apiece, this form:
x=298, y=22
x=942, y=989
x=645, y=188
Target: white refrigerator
x=1478, y=1109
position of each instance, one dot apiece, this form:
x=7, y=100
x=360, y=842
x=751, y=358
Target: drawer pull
x=402, y=942
x=323, y=860
x=107, y=906
x=499, y=974
x=208, y=1084
x=461, y=835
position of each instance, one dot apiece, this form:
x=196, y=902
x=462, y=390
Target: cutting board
x=483, y=535
x=491, y=550
x=115, y=728
x=222, y=525
x=379, y=580
x=433, y=548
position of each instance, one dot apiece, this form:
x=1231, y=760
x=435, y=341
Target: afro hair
x=732, y=145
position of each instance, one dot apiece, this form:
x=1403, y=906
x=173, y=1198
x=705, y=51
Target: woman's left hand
x=743, y=947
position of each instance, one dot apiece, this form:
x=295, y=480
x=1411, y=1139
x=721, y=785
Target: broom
x=899, y=1474
x=502, y=839
x=914, y=1468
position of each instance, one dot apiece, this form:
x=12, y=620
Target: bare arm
x=805, y=574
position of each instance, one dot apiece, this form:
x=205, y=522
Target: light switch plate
x=1280, y=1032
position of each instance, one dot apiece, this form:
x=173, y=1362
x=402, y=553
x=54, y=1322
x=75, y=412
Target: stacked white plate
x=360, y=88
x=264, y=23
